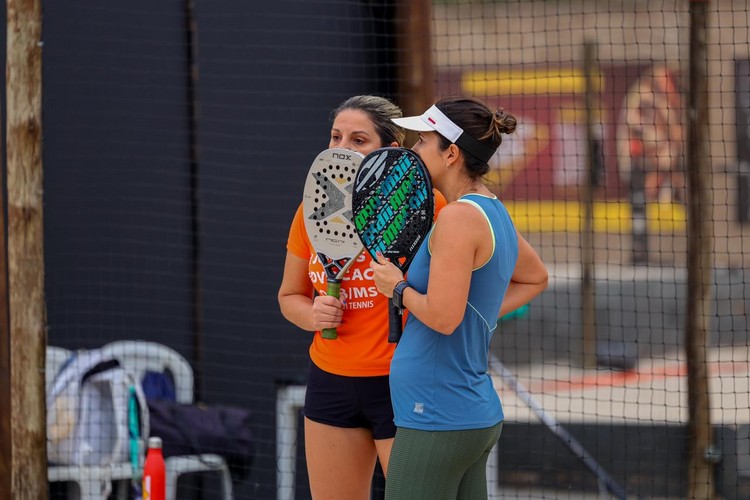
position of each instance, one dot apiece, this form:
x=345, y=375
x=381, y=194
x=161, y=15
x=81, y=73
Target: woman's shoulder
x=460, y=214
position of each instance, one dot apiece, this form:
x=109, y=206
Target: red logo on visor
x=431, y=120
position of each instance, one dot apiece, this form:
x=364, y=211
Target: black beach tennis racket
x=394, y=208
x=326, y=206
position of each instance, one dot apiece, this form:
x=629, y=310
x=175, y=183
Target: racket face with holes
x=393, y=204
x=326, y=204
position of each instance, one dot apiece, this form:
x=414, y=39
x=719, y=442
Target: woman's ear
x=394, y=144
x=451, y=155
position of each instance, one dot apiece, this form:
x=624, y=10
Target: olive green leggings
x=440, y=465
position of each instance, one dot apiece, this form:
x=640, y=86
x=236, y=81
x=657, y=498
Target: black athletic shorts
x=350, y=402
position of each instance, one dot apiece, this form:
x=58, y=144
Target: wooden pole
x=416, y=74
x=701, y=453
x=588, y=301
x=6, y=437
x=25, y=249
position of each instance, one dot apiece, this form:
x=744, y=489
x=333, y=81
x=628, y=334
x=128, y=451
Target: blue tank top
x=440, y=382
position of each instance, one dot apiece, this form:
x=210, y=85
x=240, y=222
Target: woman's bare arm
x=297, y=302
x=530, y=278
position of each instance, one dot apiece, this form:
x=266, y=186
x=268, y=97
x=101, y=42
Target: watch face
x=397, y=297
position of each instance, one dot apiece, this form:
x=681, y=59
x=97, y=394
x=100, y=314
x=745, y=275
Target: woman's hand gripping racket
x=394, y=208
x=326, y=206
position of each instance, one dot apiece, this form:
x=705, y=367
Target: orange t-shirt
x=362, y=348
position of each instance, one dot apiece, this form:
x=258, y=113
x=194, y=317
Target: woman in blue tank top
x=473, y=268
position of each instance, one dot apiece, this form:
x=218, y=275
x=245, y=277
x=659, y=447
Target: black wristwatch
x=398, y=294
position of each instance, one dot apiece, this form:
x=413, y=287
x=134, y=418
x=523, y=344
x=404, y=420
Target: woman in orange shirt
x=348, y=413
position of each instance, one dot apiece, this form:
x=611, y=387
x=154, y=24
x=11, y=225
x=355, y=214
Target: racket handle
x=334, y=289
x=395, y=325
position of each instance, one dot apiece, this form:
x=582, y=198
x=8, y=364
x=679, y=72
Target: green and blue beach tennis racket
x=394, y=208
x=326, y=206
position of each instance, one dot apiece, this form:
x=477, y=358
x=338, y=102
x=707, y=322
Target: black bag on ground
x=195, y=429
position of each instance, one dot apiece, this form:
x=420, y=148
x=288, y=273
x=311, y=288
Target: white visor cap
x=432, y=120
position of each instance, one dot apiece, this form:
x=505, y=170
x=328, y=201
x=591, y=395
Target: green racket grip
x=334, y=288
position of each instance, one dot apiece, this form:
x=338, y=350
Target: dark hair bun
x=503, y=122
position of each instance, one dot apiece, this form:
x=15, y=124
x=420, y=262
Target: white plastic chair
x=139, y=357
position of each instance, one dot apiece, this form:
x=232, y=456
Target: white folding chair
x=139, y=357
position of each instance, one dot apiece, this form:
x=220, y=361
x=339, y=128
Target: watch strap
x=398, y=293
